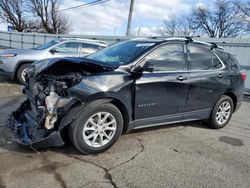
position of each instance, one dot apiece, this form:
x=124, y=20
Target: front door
x=160, y=94
x=66, y=49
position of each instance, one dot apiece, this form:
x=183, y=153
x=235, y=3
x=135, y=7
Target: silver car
x=14, y=62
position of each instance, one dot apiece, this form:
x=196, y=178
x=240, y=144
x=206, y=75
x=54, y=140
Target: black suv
x=129, y=85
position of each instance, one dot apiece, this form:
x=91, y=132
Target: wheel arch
x=78, y=106
x=18, y=66
x=119, y=104
x=233, y=97
x=124, y=112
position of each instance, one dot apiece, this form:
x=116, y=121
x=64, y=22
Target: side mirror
x=149, y=66
x=53, y=51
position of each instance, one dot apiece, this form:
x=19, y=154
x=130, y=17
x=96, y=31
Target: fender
x=125, y=100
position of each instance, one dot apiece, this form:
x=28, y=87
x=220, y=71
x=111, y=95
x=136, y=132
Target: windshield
x=121, y=53
x=47, y=45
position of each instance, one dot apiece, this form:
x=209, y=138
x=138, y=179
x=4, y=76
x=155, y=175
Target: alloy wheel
x=24, y=72
x=223, y=112
x=99, y=129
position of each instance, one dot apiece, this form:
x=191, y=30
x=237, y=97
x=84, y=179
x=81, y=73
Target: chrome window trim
x=180, y=71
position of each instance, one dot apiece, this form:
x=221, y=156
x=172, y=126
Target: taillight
x=243, y=76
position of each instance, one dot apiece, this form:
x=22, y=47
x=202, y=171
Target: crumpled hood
x=42, y=65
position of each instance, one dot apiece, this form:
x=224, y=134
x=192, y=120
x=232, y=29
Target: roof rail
x=83, y=39
x=188, y=39
x=215, y=45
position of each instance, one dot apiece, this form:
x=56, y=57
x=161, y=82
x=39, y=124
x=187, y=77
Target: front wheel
x=21, y=72
x=97, y=129
x=222, y=112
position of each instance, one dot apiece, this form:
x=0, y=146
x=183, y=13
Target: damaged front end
x=37, y=121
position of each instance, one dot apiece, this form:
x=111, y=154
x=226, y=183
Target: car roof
x=178, y=39
x=89, y=41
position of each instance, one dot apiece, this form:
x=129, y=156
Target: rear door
x=207, y=82
x=160, y=95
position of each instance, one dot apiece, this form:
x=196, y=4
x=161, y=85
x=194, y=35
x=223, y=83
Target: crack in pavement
x=133, y=157
x=51, y=168
x=47, y=167
x=108, y=175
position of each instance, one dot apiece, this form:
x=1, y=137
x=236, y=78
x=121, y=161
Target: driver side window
x=168, y=57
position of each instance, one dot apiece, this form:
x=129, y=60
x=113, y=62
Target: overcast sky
x=111, y=17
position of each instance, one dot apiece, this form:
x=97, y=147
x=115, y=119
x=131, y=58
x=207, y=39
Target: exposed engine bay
x=48, y=100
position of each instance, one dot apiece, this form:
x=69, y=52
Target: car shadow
x=68, y=149
x=6, y=80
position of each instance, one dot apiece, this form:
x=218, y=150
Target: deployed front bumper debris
x=25, y=129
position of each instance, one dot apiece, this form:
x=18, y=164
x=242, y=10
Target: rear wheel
x=221, y=113
x=97, y=129
x=21, y=72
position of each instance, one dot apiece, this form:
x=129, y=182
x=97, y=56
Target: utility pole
x=130, y=15
x=138, y=32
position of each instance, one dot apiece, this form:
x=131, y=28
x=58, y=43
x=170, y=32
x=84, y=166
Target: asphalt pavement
x=180, y=155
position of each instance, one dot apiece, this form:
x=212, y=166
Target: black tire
x=20, y=71
x=213, y=123
x=76, y=128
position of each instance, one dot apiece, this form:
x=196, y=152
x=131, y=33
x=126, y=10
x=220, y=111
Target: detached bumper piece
x=25, y=129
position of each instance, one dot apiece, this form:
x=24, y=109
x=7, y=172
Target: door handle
x=181, y=78
x=220, y=75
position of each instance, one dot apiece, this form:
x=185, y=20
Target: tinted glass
x=121, y=53
x=202, y=59
x=90, y=48
x=167, y=58
x=228, y=60
x=68, y=47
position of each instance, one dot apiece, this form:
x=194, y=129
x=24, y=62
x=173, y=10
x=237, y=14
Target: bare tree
x=244, y=6
x=178, y=26
x=51, y=19
x=170, y=26
x=222, y=21
x=13, y=12
x=186, y=26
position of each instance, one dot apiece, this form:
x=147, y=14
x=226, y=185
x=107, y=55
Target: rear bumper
x=24, y=130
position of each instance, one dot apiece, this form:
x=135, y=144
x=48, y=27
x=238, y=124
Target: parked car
x=14, y=62
x=129, y=85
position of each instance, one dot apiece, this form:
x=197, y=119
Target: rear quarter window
x=229, y=60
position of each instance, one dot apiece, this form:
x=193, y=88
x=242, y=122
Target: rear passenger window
x=202, y=59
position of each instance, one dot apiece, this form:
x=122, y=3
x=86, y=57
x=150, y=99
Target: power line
x=96, y=2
